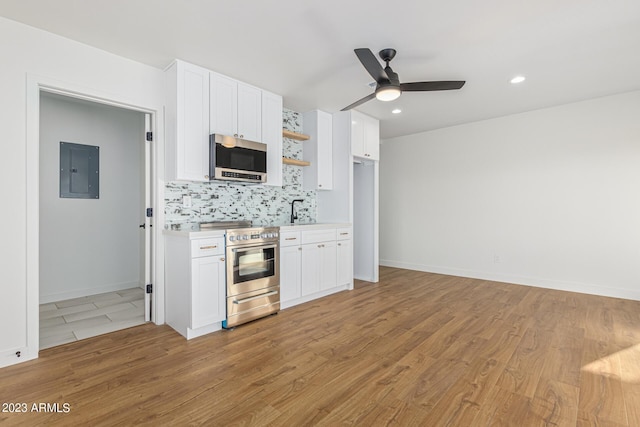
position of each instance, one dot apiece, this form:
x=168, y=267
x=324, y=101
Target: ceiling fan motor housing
x=387, y=54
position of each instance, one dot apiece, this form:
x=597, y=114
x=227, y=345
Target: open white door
x=148, y=217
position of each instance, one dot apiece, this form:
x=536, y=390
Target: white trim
x=35, y=84
x=582, y=288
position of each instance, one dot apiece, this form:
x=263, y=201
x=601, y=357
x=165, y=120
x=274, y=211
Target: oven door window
x=253, y=263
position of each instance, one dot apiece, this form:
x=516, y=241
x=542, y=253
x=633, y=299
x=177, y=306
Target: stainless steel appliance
x=237, y=159
x=253, y=274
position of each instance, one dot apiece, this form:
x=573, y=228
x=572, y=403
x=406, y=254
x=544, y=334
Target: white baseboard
x=79, y=293
x=582, y=288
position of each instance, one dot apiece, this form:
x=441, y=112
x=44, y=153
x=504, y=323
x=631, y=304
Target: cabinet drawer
x=344, y=233
x=206, y=247
x=290, y=238
x=315, y=236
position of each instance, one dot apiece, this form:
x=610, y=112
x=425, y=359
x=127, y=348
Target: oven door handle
x=268, y=294
x=254, y=247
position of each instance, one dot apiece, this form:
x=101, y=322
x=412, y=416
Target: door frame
x=36, y=85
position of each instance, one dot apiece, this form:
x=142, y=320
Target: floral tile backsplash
x=229, y=201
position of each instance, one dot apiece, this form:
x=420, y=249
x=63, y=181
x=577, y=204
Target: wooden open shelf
x=294, y=162
x=294, y=135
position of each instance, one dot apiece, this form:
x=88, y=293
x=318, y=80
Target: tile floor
x=79, y=318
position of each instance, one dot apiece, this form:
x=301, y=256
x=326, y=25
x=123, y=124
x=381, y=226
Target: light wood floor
x=417, y=349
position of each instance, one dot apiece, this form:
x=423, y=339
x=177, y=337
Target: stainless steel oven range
x=253, y=274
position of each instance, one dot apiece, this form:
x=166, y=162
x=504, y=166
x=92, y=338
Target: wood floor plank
x=415, y=349
x=601, y=392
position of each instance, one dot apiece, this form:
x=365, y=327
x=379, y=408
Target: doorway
x=94, y=247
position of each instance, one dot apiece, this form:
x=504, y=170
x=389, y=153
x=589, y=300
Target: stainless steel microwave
x=236, y=159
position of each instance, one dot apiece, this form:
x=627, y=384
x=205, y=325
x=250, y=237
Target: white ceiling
x=569, y=50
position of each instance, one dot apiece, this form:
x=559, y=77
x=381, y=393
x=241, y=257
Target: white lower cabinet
x=195, y=284
x=344, y=257
x=310, y=264
x=208, y=293
x=318, y=267
x=290, y=273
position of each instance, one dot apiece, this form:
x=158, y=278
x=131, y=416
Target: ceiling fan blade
x=372, y=65
x=359, y=102
x=428, y=86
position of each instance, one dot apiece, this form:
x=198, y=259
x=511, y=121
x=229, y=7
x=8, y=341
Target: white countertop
x=192, y=234
x=313, y=226
x=196, y=234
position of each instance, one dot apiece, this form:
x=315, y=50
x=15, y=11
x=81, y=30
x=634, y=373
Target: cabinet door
x=290, y=273
x=357, y=134
x=310, y=268
x=371, y=138
x=272, y=136
x=328, y=265
x=207, y=291
x=249, y=113
x=325, y=151
x=344, y=262
x=192, y=123
x=224, y=105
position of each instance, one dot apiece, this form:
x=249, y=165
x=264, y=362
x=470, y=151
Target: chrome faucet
x=294, y=216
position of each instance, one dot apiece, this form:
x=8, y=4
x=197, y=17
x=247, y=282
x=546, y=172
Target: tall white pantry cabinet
x=354, y=197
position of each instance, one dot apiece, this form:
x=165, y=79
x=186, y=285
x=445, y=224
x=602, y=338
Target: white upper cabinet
x=187, y=122
x=272, y=136
x=201, y=102
x=318, y=150
x=224, y=105
x=365, y=136
x=249, y=112
x=236, y=108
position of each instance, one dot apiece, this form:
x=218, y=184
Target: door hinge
x=149, y=212
x=149, y=289
x=149, y=136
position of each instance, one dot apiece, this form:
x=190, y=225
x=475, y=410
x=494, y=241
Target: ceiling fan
x=388, y=86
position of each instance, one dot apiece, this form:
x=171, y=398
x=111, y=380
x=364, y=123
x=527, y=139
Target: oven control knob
x=245, y=237
x=232, y=238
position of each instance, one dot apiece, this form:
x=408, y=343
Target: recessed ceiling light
x=396, y=111
x=517, y=79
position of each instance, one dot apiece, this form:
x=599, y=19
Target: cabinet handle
x=344, y=234
x=300, y=248
x=206, y=176
x=339, y=244
x=221, y=259
x=235, y=135
x=209, y=247
x=241, y=136
x=291, y=238
x=319, y=185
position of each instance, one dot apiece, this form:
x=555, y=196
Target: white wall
x=90, y=246
x=548, y=198
x=29, y=54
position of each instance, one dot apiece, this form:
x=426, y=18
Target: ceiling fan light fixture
x=387, y=93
